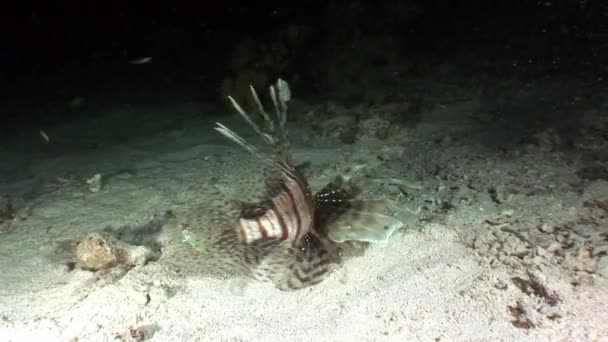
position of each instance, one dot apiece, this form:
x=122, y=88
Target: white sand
x=446, y=277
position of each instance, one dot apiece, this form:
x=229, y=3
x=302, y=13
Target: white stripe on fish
x=289, y=218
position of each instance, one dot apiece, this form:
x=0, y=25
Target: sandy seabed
x=506, y=246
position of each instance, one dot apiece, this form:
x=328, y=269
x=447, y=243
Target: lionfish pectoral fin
x=343, y=216
x=362, y=225
x=307, y=270
x=290, y=268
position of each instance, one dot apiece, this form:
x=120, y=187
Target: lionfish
x=280, y=237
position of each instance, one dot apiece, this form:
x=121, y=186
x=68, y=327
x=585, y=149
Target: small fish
x=141, y=60
x=45, y=136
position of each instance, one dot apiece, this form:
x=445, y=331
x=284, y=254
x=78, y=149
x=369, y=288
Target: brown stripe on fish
x=284, y=208
x=298, y=189
x=292, y=199
x=307, y=204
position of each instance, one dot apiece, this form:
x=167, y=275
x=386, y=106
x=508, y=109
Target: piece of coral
x=101, y=250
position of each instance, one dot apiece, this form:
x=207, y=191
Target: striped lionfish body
x=287, y=216
x=274, y=238
x=277, y=230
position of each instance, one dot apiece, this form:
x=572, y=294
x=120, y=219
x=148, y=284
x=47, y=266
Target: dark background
x=57, y=49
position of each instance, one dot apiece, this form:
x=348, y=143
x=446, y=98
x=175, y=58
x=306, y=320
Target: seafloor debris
x=349, y=125
x=101, y=250
x=7, y=209
x=95, y=183
x=520, y=316
x=531, y=285
x=124, y=247
x=11, y=211
x=132, y=334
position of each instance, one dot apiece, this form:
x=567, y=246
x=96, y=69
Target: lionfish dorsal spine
x=276, y=136
x=288, y=213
